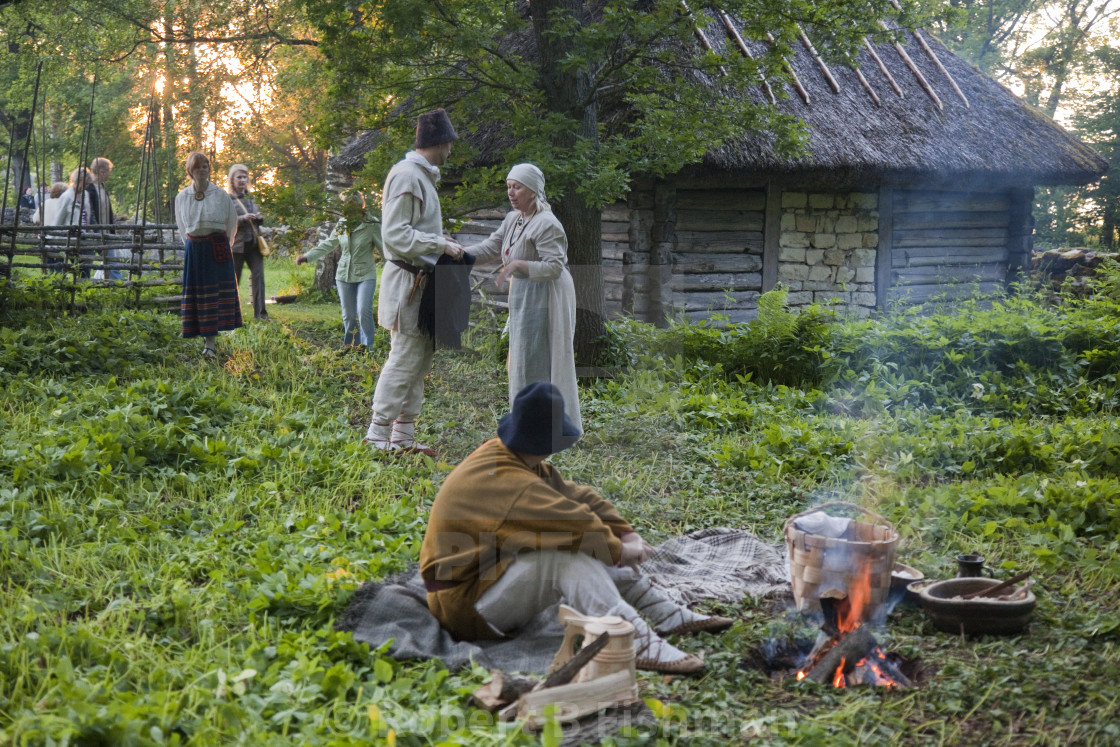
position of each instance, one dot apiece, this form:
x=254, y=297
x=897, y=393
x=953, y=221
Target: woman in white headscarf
x=533, y=249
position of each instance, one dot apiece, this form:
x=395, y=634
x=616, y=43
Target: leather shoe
x=713, y=624
x=688, y=665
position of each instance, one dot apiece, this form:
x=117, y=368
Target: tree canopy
x=232, y=78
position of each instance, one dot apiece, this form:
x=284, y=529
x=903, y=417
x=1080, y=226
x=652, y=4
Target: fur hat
x=537, y=423
x=434, y=128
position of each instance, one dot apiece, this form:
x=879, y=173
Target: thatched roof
x=352, y=157
x=939, y=117
x=919, y=113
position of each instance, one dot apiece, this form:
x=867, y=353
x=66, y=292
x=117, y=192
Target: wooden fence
x=141, y=255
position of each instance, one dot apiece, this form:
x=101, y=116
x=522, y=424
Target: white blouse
x=214, y=213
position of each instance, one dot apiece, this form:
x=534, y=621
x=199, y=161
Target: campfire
x=840, y=570
x=846, y=652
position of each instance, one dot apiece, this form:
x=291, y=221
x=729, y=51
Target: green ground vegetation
x=178, y=536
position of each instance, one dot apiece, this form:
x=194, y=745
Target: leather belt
x=410, y=269
x=419, y=275
x=432, y=585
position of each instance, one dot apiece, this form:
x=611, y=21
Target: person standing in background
x=207, y=221
x=246, y=247
x=50, y=204
x=358, y=235
x=73, y=210
x=101, y=208
x=50, y=214
x=412, y=237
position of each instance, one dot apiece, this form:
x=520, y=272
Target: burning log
x=843, y=656
x=854, y=659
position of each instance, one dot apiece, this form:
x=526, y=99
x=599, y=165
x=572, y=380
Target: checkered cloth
x=721, y=564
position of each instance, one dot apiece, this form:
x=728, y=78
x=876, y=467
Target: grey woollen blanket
x=718, y=564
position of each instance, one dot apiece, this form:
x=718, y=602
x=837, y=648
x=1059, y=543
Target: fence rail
x=135, y=256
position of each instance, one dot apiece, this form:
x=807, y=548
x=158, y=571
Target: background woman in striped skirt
x=207, y=222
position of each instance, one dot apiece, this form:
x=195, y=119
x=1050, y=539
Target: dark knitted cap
x=537, y=423
x=434, y=128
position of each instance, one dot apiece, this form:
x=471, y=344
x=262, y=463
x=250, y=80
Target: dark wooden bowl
x=974, y=616
x=914, y=590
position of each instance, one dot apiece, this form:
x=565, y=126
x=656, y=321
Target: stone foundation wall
x=827, y=248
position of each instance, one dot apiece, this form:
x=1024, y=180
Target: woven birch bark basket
x=819, y=564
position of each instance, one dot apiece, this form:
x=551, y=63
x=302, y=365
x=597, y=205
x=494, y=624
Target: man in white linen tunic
x=412, y=237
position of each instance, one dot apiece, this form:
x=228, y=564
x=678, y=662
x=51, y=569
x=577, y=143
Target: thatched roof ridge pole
x=734, y=33
x=793, y=74
x=701, y=36
x=866, y=85
x=917, y=73
x=932, y=56
x=820, y=63
x=875, y=56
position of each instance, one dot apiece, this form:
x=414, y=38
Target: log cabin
x=917, y=183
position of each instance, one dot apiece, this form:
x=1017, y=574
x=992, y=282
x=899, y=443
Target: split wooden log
x=847, y=651
x=567, y=672
x=501, y=690
x=578, y=699
x=562, y=676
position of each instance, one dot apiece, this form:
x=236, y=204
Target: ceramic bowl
x=902, y=576
x=974, y=616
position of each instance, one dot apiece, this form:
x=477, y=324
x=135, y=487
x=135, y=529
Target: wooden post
x=886, y=246
x=663, y=242
x=771, y=235
x=1020, y=233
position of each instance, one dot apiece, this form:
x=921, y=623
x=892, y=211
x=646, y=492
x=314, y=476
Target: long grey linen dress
x=542, y=307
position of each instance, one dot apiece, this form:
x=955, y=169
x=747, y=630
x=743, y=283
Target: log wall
x=949, y=244
x=716, y=259
x=688, y=251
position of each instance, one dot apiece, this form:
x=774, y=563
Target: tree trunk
x=195, y=106
x=325, y=270
x=568, y=92
x=174, y=168
x=1109, y=224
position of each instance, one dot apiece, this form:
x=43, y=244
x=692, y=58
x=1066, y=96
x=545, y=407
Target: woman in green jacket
x=359, y=236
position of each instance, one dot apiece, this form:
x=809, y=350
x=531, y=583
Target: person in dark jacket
x=246, y=246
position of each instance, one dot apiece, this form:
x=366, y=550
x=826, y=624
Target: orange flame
x=838, y=680
x=849, y=615
x=859, y=595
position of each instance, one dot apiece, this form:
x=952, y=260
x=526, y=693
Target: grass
x=177, y=536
